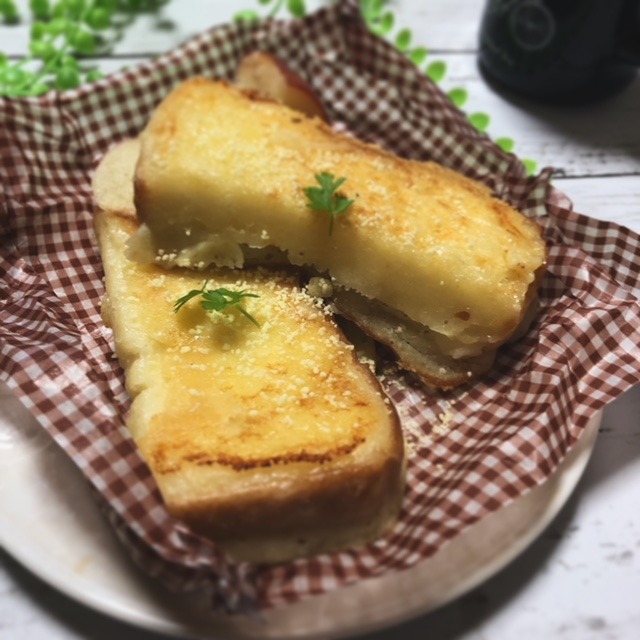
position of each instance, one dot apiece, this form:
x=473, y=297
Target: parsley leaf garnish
x=218, y=300
x=325, y=197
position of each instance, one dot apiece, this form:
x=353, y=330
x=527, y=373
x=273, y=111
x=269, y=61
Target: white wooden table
x=581, y=579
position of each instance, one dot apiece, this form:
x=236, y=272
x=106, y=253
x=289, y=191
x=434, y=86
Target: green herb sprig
x=62, y=33
x=297, y=8
x=326, y=198
x=218, y=300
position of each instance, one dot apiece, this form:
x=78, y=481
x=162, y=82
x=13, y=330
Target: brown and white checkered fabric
x=472, y=451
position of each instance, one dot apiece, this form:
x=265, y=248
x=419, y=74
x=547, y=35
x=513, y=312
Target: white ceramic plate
x=49, y=522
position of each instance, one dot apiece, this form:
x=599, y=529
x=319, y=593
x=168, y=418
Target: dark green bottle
x=567, y=51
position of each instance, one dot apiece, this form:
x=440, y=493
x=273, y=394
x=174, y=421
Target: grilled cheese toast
x=273, y=440
x=221, y=170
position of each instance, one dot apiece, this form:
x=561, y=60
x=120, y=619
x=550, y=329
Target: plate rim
x=280, y=622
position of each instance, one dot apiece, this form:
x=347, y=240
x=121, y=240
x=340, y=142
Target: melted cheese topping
x=218, y=167
x=212, y=388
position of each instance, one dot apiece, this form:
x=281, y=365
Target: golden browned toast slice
x=273, y=440
x=221, y=169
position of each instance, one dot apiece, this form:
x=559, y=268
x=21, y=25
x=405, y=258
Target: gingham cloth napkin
x=471, y=452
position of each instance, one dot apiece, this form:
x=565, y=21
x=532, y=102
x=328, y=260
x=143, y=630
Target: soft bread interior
x=416, y=348
x=273, y=440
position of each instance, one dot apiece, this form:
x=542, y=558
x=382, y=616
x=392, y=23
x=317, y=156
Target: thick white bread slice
x=273, y=440
x=220, y=168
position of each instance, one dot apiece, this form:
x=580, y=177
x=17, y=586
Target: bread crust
x=421, y=239
x=313, y=510
x=280, y=446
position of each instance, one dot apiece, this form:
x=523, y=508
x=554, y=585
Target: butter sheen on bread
x=275, y=441
x=221, y=169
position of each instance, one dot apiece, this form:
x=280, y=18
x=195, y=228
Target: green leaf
x=61, y=31
x=372, y=9
x=217, y=300
x=40, y=9
x=75, y=8
x=99, y=19
x=418, y=55
x=180, y=302
x=59, y=10
x=480, y=121
x=109, y=5
x=9, y=11
x=297, y=8
x=436, y=71
x=531, y=166
x=384, y=25
x=403, y=39
x=39, y=29
x=458, y=96
x=67, y=78
x=246, y=16
x=69, y=61
x=59, y=26
x=14, y=76
x=4, y=61
x=83, y=41
x=326, y=199
x=94, y=75
x=506, y=144
x=42, y=49
x=39, y=89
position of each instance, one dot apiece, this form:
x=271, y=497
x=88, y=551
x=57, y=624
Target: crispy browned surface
x=274, y=440
x=218, y=165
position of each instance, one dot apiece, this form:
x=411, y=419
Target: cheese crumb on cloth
x=471, y=451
